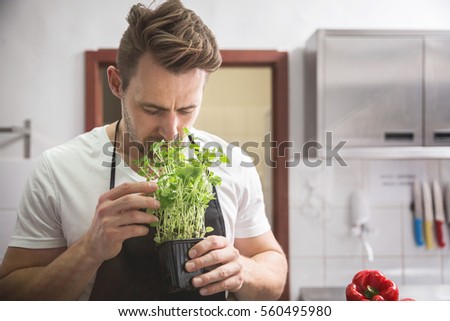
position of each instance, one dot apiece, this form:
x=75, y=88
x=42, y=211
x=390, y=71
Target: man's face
x=158, y=104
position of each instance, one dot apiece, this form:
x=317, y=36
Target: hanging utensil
x=428, y=215
x=439, y=218
x=418, y=214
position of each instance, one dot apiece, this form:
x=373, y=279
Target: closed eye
x=186, y=111
x=156, y=110
x=153, y=111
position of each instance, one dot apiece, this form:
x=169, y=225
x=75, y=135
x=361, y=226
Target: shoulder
x=89, y=144
x=79, y=155
x=240, y=171
x=235, y=154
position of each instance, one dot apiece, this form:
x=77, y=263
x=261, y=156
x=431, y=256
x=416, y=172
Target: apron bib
x=135, y=273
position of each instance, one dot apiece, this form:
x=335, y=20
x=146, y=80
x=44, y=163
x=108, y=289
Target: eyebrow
x=151, y=105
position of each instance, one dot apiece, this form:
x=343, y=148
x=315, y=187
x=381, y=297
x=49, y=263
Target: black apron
x=135, y=273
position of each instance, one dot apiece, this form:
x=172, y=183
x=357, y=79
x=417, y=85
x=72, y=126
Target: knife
x=428, y=215
x=418, y=213
x=439, y=218
x=447, y=203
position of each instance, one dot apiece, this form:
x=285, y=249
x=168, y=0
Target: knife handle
x=418, y=231
x=440, y=233
x=428, y=234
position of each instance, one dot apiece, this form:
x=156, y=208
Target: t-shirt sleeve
x=252, y=219
x=38, y=222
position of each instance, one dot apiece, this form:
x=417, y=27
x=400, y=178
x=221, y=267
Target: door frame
x=278, y=62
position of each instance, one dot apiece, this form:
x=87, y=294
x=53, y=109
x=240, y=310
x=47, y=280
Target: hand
x=117, y=218
x=222, y=260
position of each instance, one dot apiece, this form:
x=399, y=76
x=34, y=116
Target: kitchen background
x=42, y=62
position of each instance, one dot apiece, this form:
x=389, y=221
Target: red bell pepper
x=371, y=285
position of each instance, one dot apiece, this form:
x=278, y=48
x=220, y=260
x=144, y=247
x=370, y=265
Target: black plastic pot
x=173, y=255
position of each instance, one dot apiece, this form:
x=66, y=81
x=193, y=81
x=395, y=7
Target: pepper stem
x=370, y=292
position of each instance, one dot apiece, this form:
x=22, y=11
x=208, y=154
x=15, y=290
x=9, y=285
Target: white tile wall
x=338, y=239
x=308, y=272
x=423, y=270
x=386, y=231
x=307, y=235
x=323, y=251
x=340, y=270
x=390, y=266
x=388, y=180
x=343, y=181
x=446, y=269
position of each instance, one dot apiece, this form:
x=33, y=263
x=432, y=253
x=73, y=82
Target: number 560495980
x=294, y=310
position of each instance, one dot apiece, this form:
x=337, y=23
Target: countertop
x=421, y=292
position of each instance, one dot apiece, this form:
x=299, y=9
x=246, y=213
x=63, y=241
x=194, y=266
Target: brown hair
x=175, y=36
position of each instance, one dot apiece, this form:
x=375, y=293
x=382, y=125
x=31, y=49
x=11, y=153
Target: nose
x=169, y=127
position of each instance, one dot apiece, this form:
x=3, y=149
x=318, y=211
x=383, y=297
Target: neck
x=127, y=149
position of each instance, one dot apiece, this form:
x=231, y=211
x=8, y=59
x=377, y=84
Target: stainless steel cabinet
x=437, y=91
x=378, y=88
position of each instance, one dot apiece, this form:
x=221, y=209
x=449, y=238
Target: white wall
x=42, y=45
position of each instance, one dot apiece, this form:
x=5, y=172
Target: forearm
x=264, y=276
x=63, y=279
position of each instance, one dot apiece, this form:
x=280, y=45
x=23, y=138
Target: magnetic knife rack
x=25, y=132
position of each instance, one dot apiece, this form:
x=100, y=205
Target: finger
x=210, y=243
x=117, y=220
x=134, y=202
x=232, y=284
x=213, y=259
x=133, y=230
x=134, y=217
x=130, y=188
x=220, y=273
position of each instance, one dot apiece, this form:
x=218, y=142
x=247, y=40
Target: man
x=75, y=239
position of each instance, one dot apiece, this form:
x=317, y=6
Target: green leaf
x=224, y=159
x=215, y=180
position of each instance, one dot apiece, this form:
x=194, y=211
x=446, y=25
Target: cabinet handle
x=396, y=136
x=441, y=136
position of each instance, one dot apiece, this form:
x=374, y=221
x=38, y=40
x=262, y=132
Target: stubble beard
x=143, y=147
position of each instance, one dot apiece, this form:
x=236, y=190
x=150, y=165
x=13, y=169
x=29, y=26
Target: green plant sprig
x=184, y=186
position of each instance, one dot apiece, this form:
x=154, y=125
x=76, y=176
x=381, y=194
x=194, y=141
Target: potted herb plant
x=185, y=188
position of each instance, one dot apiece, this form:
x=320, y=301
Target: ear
x=114, y=81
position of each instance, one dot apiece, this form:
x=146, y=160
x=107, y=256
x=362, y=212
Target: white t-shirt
x=61, y=195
